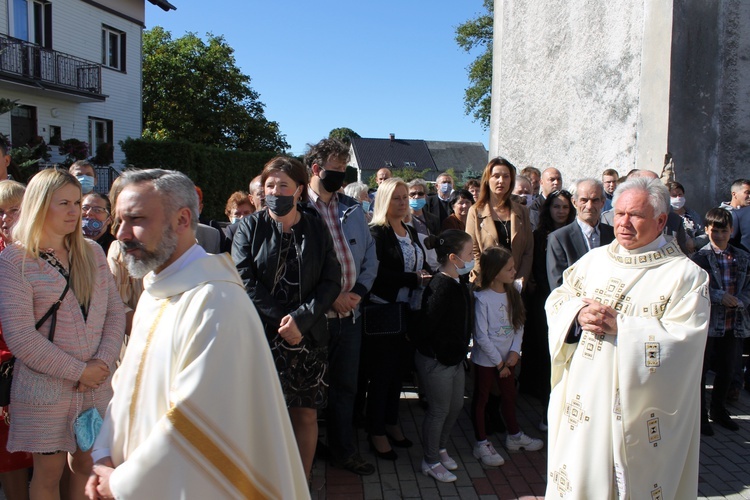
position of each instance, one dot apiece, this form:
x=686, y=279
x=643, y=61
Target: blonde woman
x=402, y=275
x=55, y=381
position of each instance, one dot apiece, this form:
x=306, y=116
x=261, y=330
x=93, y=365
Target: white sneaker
x=487, y=454
x=543, y=426
x=523, y=442
x=447, y=461
x=438, y=471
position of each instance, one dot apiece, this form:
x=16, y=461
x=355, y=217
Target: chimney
x=392, y=136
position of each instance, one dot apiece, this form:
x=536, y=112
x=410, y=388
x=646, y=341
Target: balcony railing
x=28, y=61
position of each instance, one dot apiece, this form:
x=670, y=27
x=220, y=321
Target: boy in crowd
x=729, y=289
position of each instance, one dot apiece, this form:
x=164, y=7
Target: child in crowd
x=442, y=347
x=729, y=289
x=498, y=332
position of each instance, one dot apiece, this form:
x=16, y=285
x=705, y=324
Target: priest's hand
x=289, y=331
x=94, y=375
x=597, y=318
x=97, y=486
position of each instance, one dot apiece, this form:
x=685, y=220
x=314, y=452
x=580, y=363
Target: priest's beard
x=149, y=260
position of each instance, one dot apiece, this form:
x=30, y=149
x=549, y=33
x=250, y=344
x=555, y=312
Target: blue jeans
x=343, y=370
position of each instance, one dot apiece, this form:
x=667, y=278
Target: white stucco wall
x=566, y=84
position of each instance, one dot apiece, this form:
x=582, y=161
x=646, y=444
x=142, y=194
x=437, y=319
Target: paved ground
x=724, y=472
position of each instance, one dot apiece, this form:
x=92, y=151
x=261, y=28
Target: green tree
x=477, y=33
x=194, y=91
x=344, y=134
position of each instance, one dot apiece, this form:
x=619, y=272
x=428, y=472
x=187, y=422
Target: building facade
x=74, y=69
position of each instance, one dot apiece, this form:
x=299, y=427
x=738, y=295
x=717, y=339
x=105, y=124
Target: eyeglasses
x=96, y=210
x=416, y=194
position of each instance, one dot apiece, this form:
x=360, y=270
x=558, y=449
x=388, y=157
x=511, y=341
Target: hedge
x=218, y=172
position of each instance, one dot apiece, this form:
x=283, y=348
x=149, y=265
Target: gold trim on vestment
x=213, y=454
x=142, y=364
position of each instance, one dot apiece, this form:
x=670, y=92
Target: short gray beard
x=150, y=261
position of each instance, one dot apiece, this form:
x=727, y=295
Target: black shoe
x=385, y=455
x=721, y=417
x=706, y=428
x=400, y=443
x=355, y=464
x=733, y=395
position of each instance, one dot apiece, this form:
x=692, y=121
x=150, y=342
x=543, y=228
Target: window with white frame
x=31, y=21
x=113, y=48
x=100, y=138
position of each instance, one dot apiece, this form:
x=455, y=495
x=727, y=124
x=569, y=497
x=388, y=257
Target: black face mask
x=279, y=205
x=332, y=180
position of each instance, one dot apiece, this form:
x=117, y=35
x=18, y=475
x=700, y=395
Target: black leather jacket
x=256, y=253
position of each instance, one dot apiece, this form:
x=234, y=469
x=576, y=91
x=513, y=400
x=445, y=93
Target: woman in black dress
x=290, y=271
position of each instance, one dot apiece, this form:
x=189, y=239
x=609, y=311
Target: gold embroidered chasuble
x=624, y=412
x=198, y=411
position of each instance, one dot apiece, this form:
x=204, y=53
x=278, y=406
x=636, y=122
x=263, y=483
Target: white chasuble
x=198, y=411
x=624, y=412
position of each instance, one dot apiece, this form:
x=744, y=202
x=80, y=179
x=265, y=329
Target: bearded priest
x=198, y=411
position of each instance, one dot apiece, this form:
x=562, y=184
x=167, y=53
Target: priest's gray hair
x=175, y=188
x=586, y=180
x=658, y=195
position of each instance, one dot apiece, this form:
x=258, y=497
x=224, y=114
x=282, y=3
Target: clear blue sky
x=375, y=67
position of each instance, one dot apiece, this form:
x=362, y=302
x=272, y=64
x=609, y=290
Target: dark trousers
x=343, y=370
x=383, y=362
x=483, y=377
x=725, y=351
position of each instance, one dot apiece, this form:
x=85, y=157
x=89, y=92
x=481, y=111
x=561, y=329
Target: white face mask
x=468, y=266
x=677, y=202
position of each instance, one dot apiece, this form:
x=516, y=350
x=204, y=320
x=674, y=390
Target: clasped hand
x=597, y=318
x=289, y=331
x=94, y=375
x=97, y=487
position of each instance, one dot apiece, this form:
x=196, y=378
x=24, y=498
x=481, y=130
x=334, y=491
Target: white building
x=74, y=66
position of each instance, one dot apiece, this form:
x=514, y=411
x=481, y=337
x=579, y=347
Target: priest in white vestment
x=198, y=411
x=627, y=331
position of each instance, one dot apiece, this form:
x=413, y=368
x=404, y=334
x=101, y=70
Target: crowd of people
x=511, y=279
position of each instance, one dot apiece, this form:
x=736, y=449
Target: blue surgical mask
x=366, y=206
x=446, y=187
x=234, y=220
x=417, y=204
x=468, y=266
x=87, y=183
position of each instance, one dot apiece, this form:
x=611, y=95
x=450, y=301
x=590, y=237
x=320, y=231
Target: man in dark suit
x=439, y=204
x=550, y=182
x=741, y=228
x=568, y=244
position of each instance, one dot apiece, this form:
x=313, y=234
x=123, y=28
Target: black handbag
x=386, y=319
x=6, y=368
